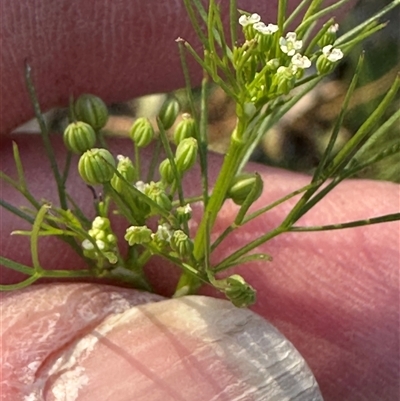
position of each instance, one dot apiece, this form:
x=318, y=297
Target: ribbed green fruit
x=96, y=166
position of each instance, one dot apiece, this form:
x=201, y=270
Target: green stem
x=21, y=285
x=327, y=155
x=294, y=14
x=46, y=139
x=67, y=167
x=137, y=162
x=216, y=200
x=318, y=15
x=35, y=236
x=233, y=20
x=249, y=247
x=357, y=223
x=16, y=211
x=203, y=139
x=170, y=155
x=218, y=196
x=349, y=149
x=359, y=28
x=154, y=161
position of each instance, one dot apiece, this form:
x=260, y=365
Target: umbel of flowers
x=269, y=62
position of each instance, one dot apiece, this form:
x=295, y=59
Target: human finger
x=101, y=342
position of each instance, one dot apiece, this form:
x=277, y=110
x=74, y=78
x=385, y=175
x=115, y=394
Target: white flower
x=100, y=244
x=186, y=209
x=265, y=29
x=141, y=186
x=290, y=44
x=164, y=232
x=87, y=245
x=245, y=20
x=300, y=61
x=332, y=54
x=333, y=28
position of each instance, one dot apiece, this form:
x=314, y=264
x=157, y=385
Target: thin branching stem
x=357, y=223
x=46, y=138
x=361, y=27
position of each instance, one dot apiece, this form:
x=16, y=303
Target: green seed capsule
x=96, y=166
x=284, y=80
x=329, y=37
x=79, y=137
x=186, y=154
x=239, y=292
x=127, y=170
x=156, y=192
x=324, y=66
x=181, y=244
x=185, y=129
x=141, y=132
x=138, y=235
x=166, y=172
x=244, y=185
x=168, y=113
x=183, y=213
x=92, y=110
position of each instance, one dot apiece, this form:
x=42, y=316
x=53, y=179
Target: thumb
x=97, y=343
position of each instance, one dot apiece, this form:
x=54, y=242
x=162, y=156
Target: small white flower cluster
x=164, y=239
x=246, y=20
x=163, y=234
x=265, y=29
x=289, y=44
x=104, y=239
x=258, y=25
x=282, y=55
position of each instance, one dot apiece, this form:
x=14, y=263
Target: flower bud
x=155, y=191
x=96, y=166
x=127, y=170
x=181, y=244
x=141, y=132
x=244, y=186
x=324, y=66
x=183, y=213
x=239, y=292
x=92, y=110
x=326, y=62
x=138, y=235
x=264, y=36
x=79, y=137
x=329, y=37
x=247, y=21
x=185, y=129
x=186, y=154
x=273, y=65
x=101, y=223
x=105, y=240
x=168, y=113
x=284, y=80
x=161, y=239
x=166, y=173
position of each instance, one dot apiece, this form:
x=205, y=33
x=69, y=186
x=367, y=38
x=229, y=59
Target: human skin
x=335, y=295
